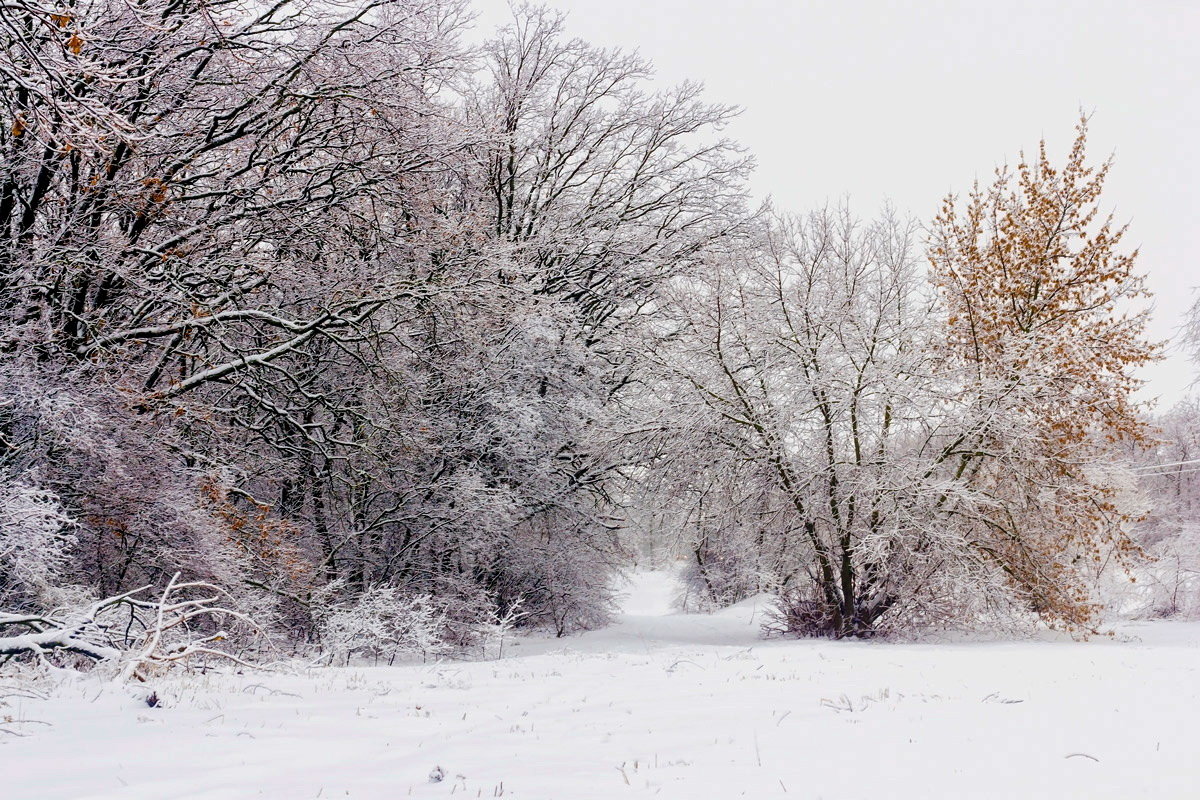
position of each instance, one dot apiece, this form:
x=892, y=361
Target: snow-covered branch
x=143, y=635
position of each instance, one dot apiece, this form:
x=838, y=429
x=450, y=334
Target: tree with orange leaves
x=1044, y=328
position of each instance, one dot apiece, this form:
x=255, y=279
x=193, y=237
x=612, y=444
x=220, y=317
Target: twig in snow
x=996, y=698
x=269, y=690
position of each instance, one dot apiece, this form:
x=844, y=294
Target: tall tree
x=1046, y=324
x=809, y=394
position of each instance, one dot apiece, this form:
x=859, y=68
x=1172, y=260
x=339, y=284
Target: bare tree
x=816, y=395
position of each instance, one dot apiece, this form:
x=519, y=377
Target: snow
x=658, y=704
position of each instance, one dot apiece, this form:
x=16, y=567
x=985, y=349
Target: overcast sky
x=905, y=101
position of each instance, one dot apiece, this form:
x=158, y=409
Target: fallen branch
x=166, y=634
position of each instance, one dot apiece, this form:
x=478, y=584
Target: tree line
x=323, y=305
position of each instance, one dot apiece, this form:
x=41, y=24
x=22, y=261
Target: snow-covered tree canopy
x=375, y=329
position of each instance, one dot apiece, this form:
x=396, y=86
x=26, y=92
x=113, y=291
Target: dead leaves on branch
x=1046, y=314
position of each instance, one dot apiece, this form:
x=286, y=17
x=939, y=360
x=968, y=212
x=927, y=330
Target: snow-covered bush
x=382, y=624
x=36, y=536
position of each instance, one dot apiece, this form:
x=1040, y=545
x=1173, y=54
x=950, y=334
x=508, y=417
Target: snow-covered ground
x=659, y=704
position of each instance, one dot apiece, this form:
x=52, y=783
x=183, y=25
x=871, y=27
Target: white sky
x=904, y=101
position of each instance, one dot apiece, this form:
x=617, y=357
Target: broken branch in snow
x=167, y=634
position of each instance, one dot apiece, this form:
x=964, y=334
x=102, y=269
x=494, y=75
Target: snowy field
x=659, y=704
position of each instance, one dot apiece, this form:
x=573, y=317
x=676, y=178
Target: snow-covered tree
x=886, y=452
x=1168, y=473
x=331, y=306
x=1046, y=330
x=817, y=409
